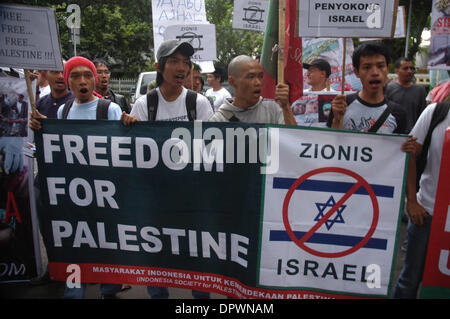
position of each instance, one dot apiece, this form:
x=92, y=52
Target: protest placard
x=202, y=37
x=29, y=38
x=347, y=18
x=439, y=54
x=166, y=13
x=250, y=14
x=436, y=277
x=19, y=242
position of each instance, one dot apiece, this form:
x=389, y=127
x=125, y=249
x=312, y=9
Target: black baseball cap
x=321, y=64
x=169, y=47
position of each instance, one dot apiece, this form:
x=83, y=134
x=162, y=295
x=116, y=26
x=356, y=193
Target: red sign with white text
x=437, y=267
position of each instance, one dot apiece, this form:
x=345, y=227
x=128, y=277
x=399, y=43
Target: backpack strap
x=381, y=119
x=439, y=114
x=102, y=109
x=152, y=104
x=191, y=105
x=66, y=109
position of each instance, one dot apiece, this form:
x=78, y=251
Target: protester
x=317, y=75
x=193, y=80
x=48, y=106
x=172, y=68
x=420, y=205
x=80, y=74
x=102, y=86
x=217, y=92
x=245, y=75
x=170, y=101
x=59, y=94
x=42, y=85
x=368, y=110
x=406, y=93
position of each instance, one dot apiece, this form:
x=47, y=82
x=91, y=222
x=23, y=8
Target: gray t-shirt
x=265, y=111
x=411, y=100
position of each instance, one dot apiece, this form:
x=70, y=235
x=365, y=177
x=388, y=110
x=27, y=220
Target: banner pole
x=30, y=89
x=343, y=66
x=281, y=35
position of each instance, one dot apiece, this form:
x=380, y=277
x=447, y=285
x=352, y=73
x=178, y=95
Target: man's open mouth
x=84, y=90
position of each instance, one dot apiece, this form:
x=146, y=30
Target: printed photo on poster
x=17, y=257
x=439, y=54
x=313, y=109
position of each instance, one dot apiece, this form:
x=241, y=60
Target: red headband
x=77, y=61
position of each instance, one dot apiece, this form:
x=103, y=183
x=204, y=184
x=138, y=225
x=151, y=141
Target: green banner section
x=116, y=195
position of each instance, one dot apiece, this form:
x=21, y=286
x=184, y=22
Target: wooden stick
x=30, y=90
x=281, y=35
x=343, y=66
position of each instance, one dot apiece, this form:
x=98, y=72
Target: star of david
x=322, y=207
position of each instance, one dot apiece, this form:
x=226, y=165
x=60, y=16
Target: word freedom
x=176, y=153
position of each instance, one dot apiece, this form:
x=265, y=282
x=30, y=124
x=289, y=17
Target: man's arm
x=415, y=211
x=282, y=98
x=338, y=106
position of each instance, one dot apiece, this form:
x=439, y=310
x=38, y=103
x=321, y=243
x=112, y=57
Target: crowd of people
x=400, y=107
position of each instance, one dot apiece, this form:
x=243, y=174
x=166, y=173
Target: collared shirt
x=48, y=105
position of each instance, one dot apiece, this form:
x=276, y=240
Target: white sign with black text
x=202, y=37
x=29, y=38
x=347, y=18
x=250, y=14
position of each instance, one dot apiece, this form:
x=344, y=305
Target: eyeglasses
x=103, y=72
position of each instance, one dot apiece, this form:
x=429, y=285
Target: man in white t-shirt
x=217, y=92
x=169, y=102
x=317, y=75
x=172, y=68
x=420, y=205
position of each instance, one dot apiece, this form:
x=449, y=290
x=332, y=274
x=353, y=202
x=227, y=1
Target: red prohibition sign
x=300, y=242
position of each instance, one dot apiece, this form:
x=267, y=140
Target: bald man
x=245, y=75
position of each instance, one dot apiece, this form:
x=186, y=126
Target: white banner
x=166, y=13
x=400, y=25
x=250, y=14
x=438, y=58
x=333, y=226
x=29, y=38
x=202, y=37
x=347, y=18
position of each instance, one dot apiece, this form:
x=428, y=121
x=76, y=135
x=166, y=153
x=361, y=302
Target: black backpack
x=439, y=114
x=102, y=109
x=191, y=104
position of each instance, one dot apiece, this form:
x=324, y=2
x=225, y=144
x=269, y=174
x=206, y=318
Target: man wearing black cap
x=317, y=75
x=170, y=101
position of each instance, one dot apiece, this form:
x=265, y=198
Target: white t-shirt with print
x=172, y=111
x=218, y=96
x=430, y=176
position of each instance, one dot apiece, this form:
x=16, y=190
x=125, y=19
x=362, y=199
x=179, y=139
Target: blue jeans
x=416, y=252
x=80, y=293
x=163, y=293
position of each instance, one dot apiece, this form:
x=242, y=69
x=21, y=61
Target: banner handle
x=281, y=35
x=343, y=66
x=30, y=89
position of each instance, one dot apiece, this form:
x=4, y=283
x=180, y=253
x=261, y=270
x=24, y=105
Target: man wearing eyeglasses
x=102, y=86
x=403, y=91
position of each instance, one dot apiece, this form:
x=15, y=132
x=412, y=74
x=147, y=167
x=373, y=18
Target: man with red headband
x=80, y=74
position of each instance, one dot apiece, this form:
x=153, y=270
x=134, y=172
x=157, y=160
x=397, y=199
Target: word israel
x=176, y=153
x=151, y=240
